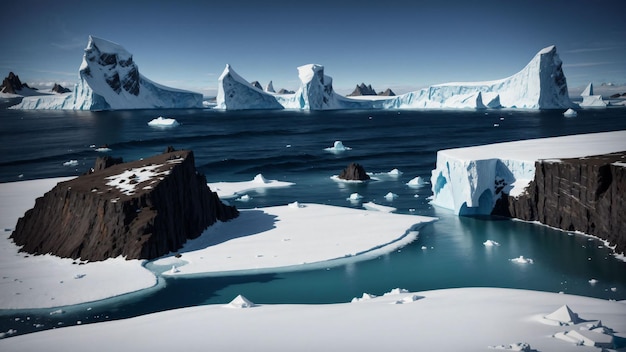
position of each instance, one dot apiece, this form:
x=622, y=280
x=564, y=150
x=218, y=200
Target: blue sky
x=404, y=45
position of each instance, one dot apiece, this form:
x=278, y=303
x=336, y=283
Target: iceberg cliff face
x=539, y=85
x=470, y=180
x=315, y=93
x=235, y=93
x=110, y=80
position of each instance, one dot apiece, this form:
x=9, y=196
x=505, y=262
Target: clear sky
x=403, y=45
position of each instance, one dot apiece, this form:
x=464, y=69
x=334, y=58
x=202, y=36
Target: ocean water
x=289, y=146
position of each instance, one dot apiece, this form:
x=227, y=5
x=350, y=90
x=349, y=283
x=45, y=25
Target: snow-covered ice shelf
x=465, y=179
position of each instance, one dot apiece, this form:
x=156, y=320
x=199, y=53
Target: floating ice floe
x=522, y=260
x=244, y=198
x=354, y=197
x=71, y=163
x=163, y=122
x=234, y=189
x=417, y=182
x=337, y=147
x=378, y=207
x=490, y=243
x=394, y=172
x=391, y=196
x=593, y=281
x=570, y=113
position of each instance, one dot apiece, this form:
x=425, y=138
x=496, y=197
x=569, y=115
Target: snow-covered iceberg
x=539, y=85
x=590, y=100
x=470, y=180
x=109, y=79
x=315, y=93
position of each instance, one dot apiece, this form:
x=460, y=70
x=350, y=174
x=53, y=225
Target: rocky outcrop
x=582, y=194
x=362, y=89
x=60, y=89
x=12, y=84
x=354, y=172
x=140, y=210
x=387, y=93
x=285, y=91
x=256, y=85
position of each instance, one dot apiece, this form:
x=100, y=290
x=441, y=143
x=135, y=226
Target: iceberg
x=539, y=85
x=109, y=79
x=469, y=180
x=235, y=93
x=590, y=100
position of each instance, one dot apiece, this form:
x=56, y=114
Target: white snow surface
x=281, y=238
x=461, y=319
x=278, y=238
x=570, y=113
x=464, y=178
x=234, y=189
x=109, y=79
x=44, y=281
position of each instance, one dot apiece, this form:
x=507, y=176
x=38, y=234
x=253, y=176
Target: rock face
x=387, y=93
x=60, y=89
x=582, y=194
x=354, y=172
x=139, y=210
x=362, y=89
x=12, y=84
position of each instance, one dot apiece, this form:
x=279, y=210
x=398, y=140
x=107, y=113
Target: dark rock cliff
x=354, y=172
x=139, y=210
x=12, y=84
x=581, y=194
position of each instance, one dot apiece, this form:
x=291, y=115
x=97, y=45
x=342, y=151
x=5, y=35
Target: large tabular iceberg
x=539, y=85
x=470, y=180
x=110, y=80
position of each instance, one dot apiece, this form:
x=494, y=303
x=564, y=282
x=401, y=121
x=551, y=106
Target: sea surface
x=289, y=146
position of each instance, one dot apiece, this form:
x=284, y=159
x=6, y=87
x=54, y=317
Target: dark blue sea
x=289, y=146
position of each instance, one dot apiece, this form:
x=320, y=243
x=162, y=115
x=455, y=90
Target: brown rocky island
x=140, y=210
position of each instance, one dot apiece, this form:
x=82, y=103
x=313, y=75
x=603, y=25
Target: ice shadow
x=248, y=223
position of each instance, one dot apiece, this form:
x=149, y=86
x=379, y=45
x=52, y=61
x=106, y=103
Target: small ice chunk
x=593, y=281
x=522, y=260
x=337, y=147
x=377, y=207
x=490, y=243
x=260, y=179
x=395, y=172
x=295, y=205
x=163, y=122
x=364, y=297
x=244, y=198
x=240, y=302
x=417, y=182
x=58, y=311
x=390, y=196
x=71, y=163
x=355, y=196
x=174, y=269
x=570, y=113
x=396, y=291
